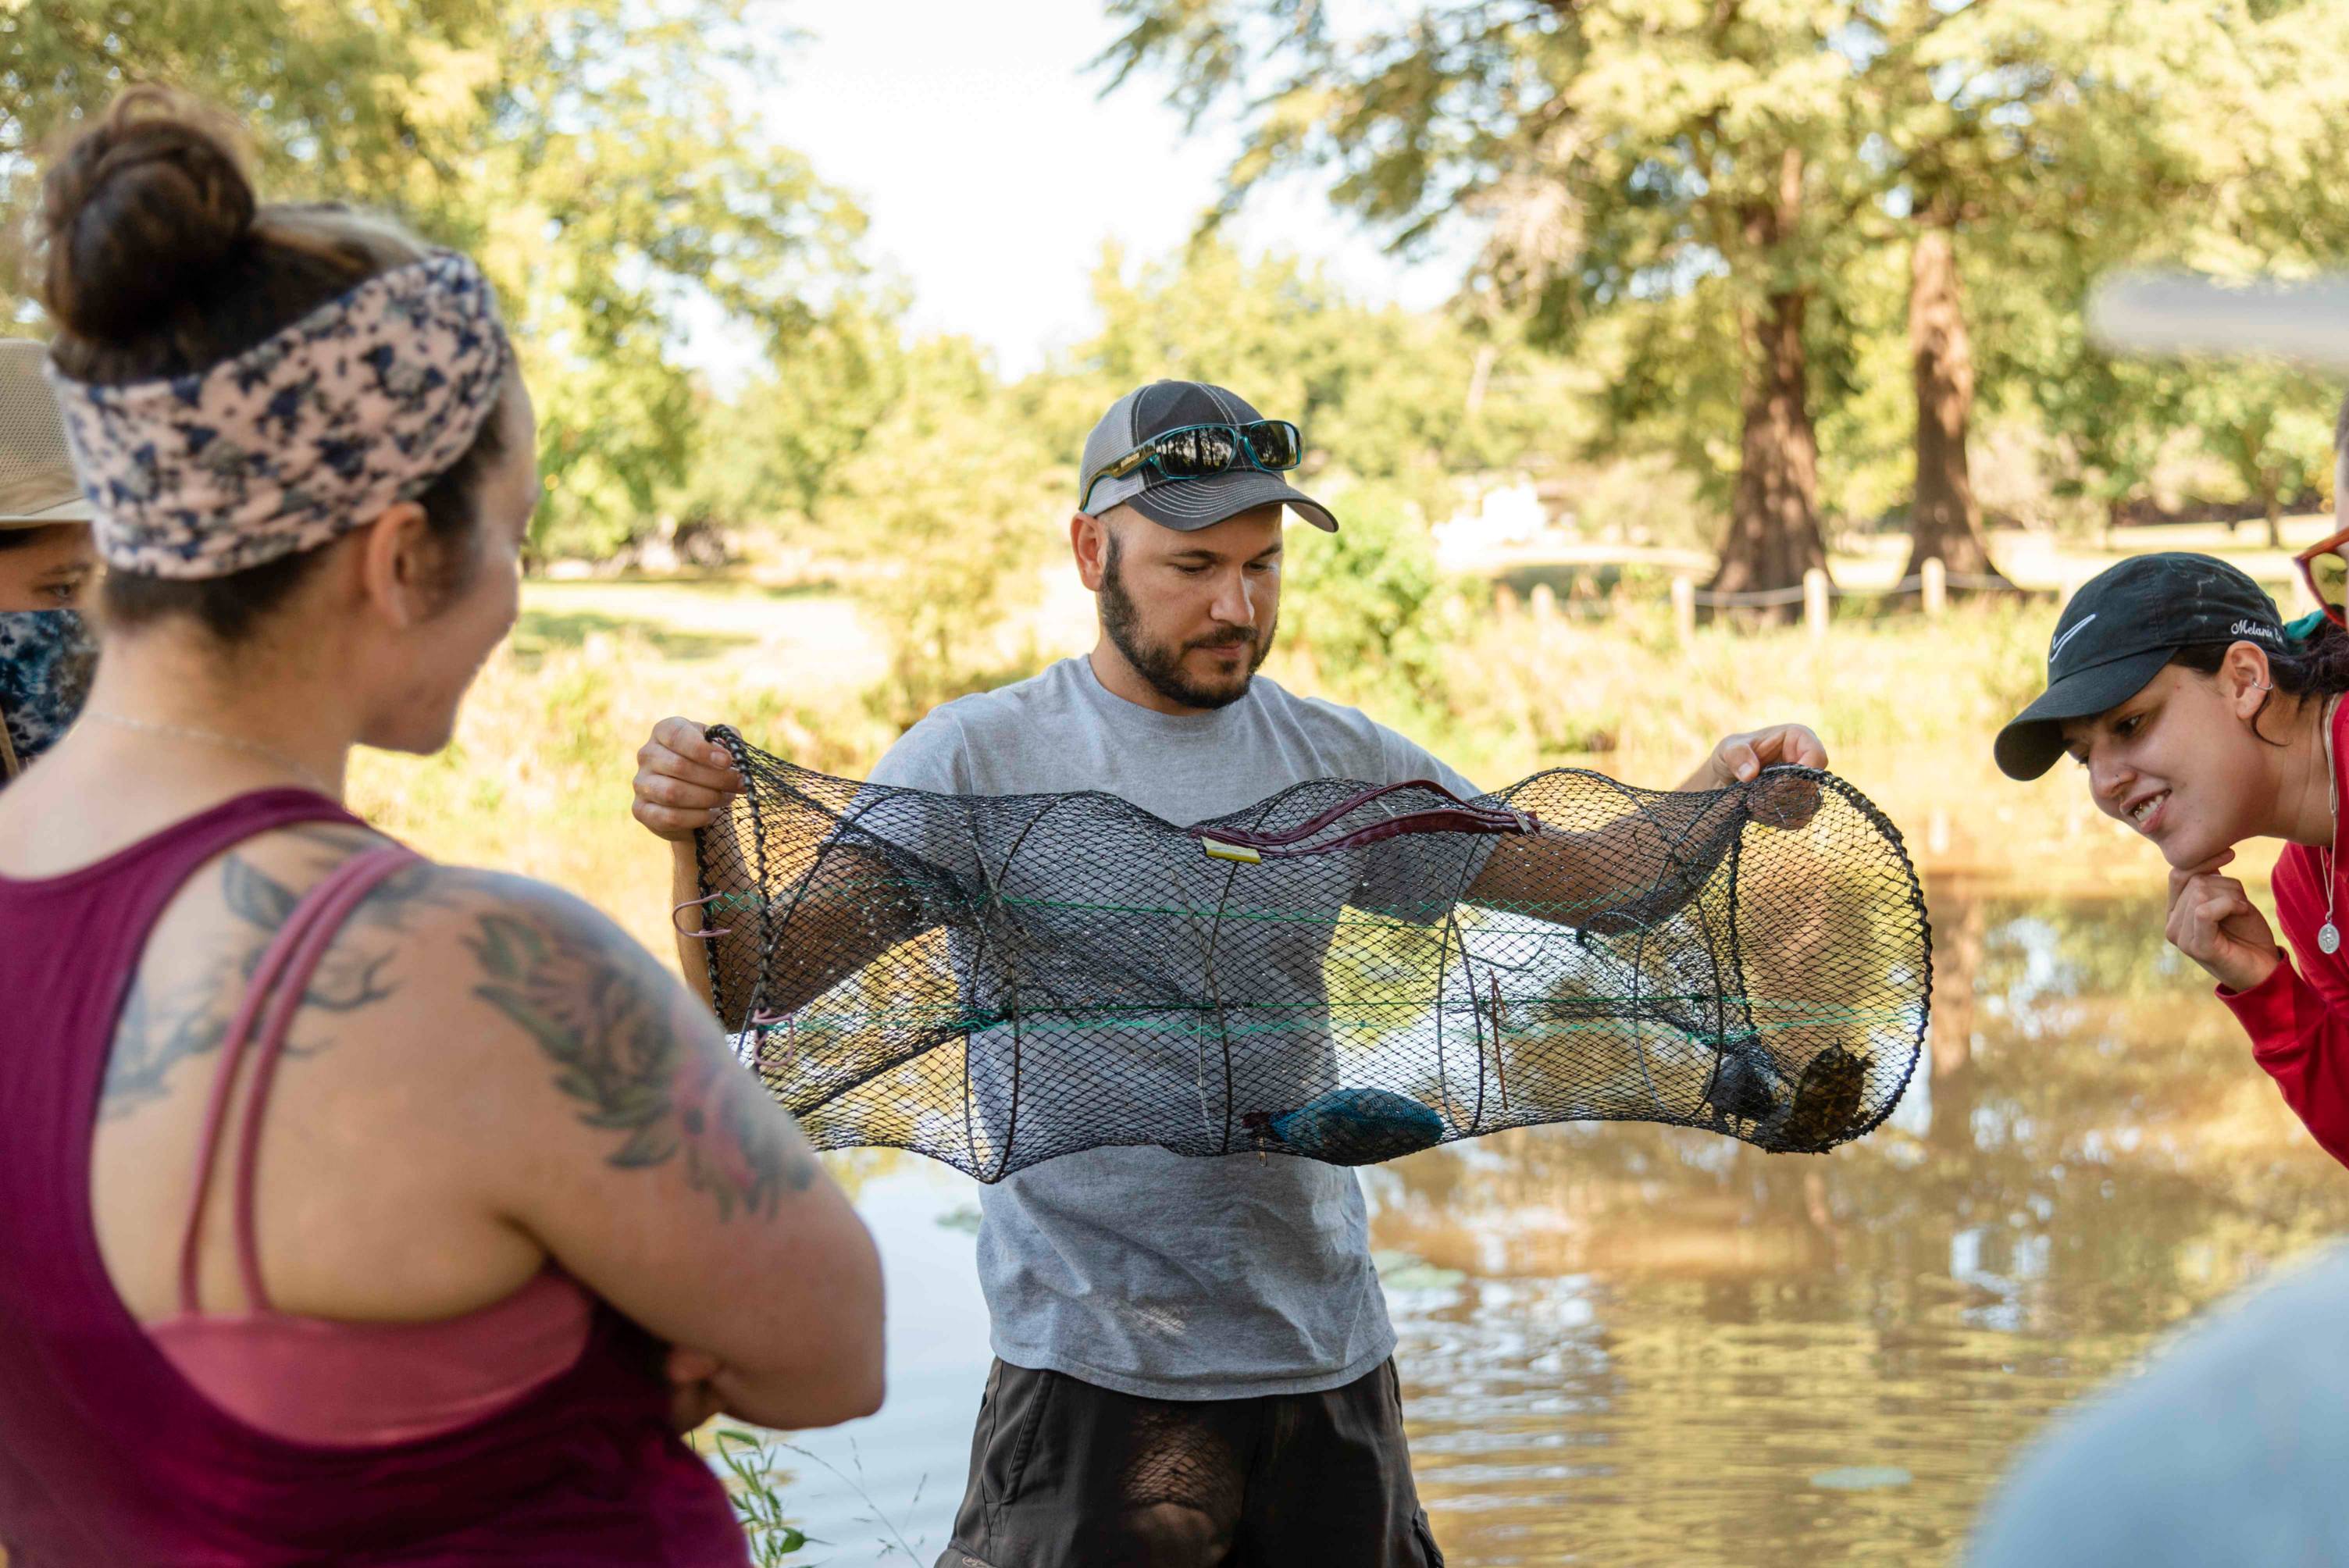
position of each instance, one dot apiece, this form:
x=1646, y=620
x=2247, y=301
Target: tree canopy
x=1716, y=179
x=1792, y=256
x=592, y=155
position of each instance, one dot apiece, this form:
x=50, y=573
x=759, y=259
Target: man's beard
x=1161, y=664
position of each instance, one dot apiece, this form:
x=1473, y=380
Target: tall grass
x=1520, y=692
x=1908, y=709
x=748, y=1460
x=538, y=778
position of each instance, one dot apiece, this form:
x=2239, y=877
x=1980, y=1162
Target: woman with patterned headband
x=350, y=1202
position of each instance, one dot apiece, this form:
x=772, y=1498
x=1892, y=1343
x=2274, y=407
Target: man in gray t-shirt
x=1192, y=1352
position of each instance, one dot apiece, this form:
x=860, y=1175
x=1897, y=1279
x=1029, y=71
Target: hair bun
x=139, y=211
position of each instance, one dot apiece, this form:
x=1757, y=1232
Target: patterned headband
x=311, y=433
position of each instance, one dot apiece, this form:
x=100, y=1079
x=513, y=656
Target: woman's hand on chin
x=2213, y=922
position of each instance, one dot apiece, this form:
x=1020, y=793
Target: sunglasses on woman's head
x=1203, y=451
x=2325, y=570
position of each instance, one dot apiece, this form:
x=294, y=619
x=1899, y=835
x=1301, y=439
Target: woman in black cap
x=2204, y=720
x=46, y=650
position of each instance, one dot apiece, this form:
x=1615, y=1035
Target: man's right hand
x=2213, y=922
x=683, y=780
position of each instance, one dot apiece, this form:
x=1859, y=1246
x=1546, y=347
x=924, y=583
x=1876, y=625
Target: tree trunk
x=1773, y=515
x=2272, y=498
x=1944, y=519
x=1774, y=521
x=1481, y=376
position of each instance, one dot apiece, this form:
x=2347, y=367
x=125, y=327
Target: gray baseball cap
x=37, y=486
x=1182, y=504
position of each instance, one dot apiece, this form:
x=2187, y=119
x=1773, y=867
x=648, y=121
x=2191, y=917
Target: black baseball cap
x=2118, y=632
x=1182, y=504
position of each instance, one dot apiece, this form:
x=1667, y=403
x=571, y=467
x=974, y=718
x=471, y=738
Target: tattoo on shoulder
x=622, y=1048
x=166, y=1023
x=155, y=1034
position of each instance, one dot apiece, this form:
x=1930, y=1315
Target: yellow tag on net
x=1218, y=849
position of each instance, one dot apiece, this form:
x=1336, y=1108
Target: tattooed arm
x=655, y=1171
x=483, y=1074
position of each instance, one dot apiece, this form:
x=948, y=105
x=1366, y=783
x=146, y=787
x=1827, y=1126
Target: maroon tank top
x=108, y=1456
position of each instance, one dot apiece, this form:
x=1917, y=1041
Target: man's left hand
x=1740, y=759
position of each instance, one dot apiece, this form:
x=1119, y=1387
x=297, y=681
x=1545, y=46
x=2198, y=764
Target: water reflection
x=1635, y=1345
x=1663, y=1346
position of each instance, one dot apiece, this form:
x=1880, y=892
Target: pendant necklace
x=2328, y=936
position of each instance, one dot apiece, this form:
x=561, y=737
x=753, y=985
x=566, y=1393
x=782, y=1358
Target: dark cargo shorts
x=1064, y=1474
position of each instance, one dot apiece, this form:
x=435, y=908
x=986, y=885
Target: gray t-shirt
x=1154, y=1273
x=2231, y=1448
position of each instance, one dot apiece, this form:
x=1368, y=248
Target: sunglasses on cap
x=2325, y=570
x=1203, y=451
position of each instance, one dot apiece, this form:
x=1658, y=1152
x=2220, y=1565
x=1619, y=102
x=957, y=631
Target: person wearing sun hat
x=46, y=649
x=2204, y=720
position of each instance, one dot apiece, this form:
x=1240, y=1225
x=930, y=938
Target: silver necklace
x=215, y=737
x=2328, y=936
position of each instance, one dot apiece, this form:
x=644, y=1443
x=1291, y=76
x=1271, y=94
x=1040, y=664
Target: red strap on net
x=1460, y=817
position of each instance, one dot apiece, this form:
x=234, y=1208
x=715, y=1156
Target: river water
x=1639, y=1345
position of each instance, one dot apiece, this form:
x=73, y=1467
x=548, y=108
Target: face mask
x=46, y=659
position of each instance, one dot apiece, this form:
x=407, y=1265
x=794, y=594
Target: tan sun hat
x=37, y=486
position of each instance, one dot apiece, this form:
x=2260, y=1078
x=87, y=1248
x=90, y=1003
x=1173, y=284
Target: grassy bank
x=537, y=779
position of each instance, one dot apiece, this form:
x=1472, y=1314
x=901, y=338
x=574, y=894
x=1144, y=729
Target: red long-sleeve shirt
x=2298, y=1018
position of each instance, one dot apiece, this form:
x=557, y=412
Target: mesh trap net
x=1341, y=972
